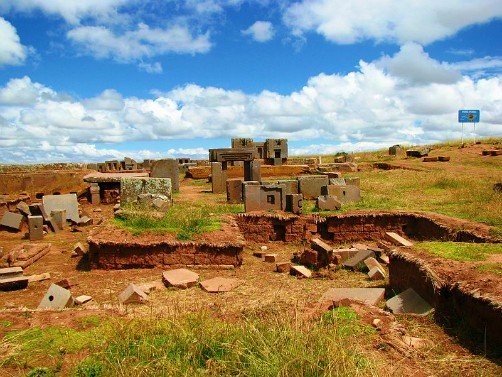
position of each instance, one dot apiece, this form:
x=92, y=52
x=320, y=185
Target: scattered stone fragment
x=360, y=246
x=39, y=277
x=270, y=258
x=152, y=286
x=79, y=249
x=84, y=221
x=180, y=278
x=116, y=207
x=377, y=323
x=344, y=254
x=370, y=296
x=357, y=261
x=13, y=283
x=97, y=210
x=23, y=208
x=371, y=262
x=328, y=203
x=65, y=283
x=408, y=302
x=219, y=284
x=444, y=158
x=56, y=298
x=300, y=271
x=263, y=248
x=27, y=254
x=283, y=267
x=12, y=220
x=80, y=300
x=384, y=258
x=10, y=272
x=396, y=239
x=324, y=252
x=132, y=295
x=376, y=273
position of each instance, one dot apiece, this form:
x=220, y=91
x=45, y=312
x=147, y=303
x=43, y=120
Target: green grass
x=461, y=251
x=184, y=220
x=273, y=344
x=494, y=268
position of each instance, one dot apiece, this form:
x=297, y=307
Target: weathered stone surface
x=152, y=286
x=231, y=154
x=56, y=298
x=130, y=188
x=333, y=182
x=264, y=197
x=167, y=168
x=328, y=203
x=13, y=283
x=408, y=302
x=38, y=209
x=324, y=251
x=376, y=273
x=345, y=254
x=291, y=185
x=396, y=239
x=252, y=170
x=12, y=220
x=310, y=185
x=294, y=203
x=25, y=255
x=23, y=208
x=356, y=262
x=219, y=284
x=371, y=262
x=39, y=277
x=59, y=218
x=300, y=271
x=36, y=227
x=270, y=258
x=283, y=267
x=218, y=177
x=444, y=158
x=10, y=272
x=430, y=159
x=345, y=194
x=67, y=202
x=80, y=300
x=370, y=296
x=353, y=181
x=132, y=295
x=79, y=249
x=180, y=278
x=234, y=191
x=97, y=177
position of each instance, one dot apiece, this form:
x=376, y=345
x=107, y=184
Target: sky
x=93, y=80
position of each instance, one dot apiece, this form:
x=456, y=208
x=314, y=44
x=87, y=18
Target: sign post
x=468, y=116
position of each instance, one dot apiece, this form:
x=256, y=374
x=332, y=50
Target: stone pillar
x=95, y=196
x=234, y=191
x=167, y=168
x=59, y=217
x=36, y=225
x=252, y=170
x=218, y=177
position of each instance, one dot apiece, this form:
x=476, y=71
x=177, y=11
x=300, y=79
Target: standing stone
x=167, y=168
x=218, y=177
x=59, y=217
x=95, y=194
x=36, y=227
x=252, y=170
x=294, y=203
x=234, y=191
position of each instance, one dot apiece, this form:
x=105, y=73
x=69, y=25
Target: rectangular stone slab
x=370, y=296
x=56, y=298
x=358, y=259
x=10, y=272
x=12, y=220
x=14, y=283
x=66, y=202
x=396, y=239
x=408, y=301
x=219, y=284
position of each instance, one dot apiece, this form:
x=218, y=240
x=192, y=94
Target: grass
x=184, y=220
x=494, y=268
x=198, y=345
x=461, y=251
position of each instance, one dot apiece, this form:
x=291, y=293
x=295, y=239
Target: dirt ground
x=261, y=288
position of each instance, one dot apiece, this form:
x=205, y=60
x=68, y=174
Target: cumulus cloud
x=151, y=67
x=399, y=21
x=260, y=31
x=12, y=52
x=372, y=107
x=143, y=42
x=73, y=11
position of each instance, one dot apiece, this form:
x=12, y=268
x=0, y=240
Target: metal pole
x=462, y=133
x=474, y=132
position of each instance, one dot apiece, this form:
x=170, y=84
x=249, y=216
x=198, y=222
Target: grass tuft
x=461, y=251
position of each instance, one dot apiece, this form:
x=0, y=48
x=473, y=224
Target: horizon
x=105, y=79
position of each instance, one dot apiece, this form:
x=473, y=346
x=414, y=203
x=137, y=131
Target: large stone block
x=12, y=220
x=130, y=188
x=328, y=203
x=218, y=178
x=56, y=298
x=66, y=202
x=370, y=296
x=252, y=170
x=264, y=197
x=291, y=185
x=36, y=227
x=408, y=302
x=234, y=191
x=167, y=168
x=294, y=203
x=345, y=194
x=310, y=185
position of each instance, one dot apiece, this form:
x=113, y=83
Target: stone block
x=79, y=249
x=310, y=185
x=345, y=166
x=357, y=261
x=345, y=194
x=300, y=271
x=12, y=220
x=39, y=277
x=372, y=262
x=167, y=168
x=354, y=181
x=376, y=273
x=394, y=150
x=335, y=182
x=430, y=159
x=408, y=302
x=23, y=208
x=270, y=258
x=369, y=296
x=132, y=295
x=324, y=251
x=283, y=267
x=36, y=227
x=218, y=177
x=131, y=188
x=264, y=197
x=252, y=170
x=309, y=257
x=328, y=203
x=219, y=284
x=10, y=272
x=291, y=185
x=333, y=174
x=444, y=158
x=234, y=190
x=397, y=240
x=56, y=298
x=13, y=283
x=59, y=218
x=180, y=278
x=81, y=300
x=67, y=202
x=346, y=253
x=294, y=203
x=38, y=209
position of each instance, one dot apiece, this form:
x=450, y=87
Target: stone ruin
x=272, y=151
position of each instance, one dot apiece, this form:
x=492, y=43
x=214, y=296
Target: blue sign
x=468, y=116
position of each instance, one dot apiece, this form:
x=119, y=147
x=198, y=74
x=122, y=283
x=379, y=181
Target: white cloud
x=12, y=52
x=399, y=21
x=73, y=11
x=260, y=31
x=144, y=42
x=371, y=107
x=151, y=67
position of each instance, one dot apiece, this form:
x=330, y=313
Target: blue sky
x=99, y=79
